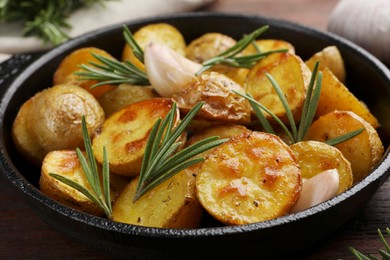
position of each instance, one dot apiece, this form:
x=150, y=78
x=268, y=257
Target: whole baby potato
x=65, y=73
x=51, y=120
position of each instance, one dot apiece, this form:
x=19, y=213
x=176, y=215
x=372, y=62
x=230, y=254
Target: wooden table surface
x=24, y=235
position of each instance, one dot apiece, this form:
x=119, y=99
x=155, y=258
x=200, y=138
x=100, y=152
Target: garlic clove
x=168, y=71
x=317, y=189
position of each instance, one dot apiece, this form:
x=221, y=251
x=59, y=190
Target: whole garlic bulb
x=365, y=22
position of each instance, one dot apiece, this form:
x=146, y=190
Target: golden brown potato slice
x=265, y=45
x=363, y=150
x=51, y=120
x=65, y=72
x=67, y=164
x=330, y=58
x=221, y=104
x=316, y=157
x=253, y=177
x=161, y=33
x=172, y=204
x=125, y=133
x=291, y=74
x=336, y=96
x=123, y=95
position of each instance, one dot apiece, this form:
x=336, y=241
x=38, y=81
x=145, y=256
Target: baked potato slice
x=51, y=120
x=161, y=33
x=362, y=151
x=330, y=58
x=172, y=204
x=125, y=133
x=291, y=74
x=265, y=45
x=316, y=157
x=123, y=95
x=220, y=102
x=252, y=177
x=336, y=96
x=65, y=73
x=67, y=164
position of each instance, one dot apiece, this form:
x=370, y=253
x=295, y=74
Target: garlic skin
x=317, y=189
x=365, y=22
x=167, y=70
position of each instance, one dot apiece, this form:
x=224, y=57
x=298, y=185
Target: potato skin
x=123, y=95
x=363, y=151
x=253, y=177
x=291, y=74
x=65, y=73
x=161, y=33
x=336, y=96
x=125, y=133
x=51, y=120
x=208, y=46
x=172, y=204
x=316, y=157
x=221, y=104
x=66, y=163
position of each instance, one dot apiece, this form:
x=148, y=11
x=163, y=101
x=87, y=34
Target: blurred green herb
x=385, y=253
x=45, y=19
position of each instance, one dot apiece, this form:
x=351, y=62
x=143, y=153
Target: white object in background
x=95, y=17
x=365, y=22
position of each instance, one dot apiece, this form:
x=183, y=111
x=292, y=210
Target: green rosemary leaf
x=262, y=119
x=254, y=103
x=111, y=71
x=344, y=137
x=358, y=255
x=76, y=186
x=106, y=179
x=228, y=57
x=307, y=101
x=387, y=247
x=384, y=254
x=145, y=187
x=137, y=50
x=286, y=106
x=44, y=19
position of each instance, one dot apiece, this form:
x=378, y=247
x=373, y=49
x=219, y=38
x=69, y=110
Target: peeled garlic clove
x=167, y=70
x=317, y=189
x=367, y=23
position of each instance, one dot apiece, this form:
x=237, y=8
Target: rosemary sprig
x=115, y=72
x=308, y=112
x=99, y=195
x=43, y=18
x=160, y=161
x=385, y=253
x=112, y=71
x=230, y=58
